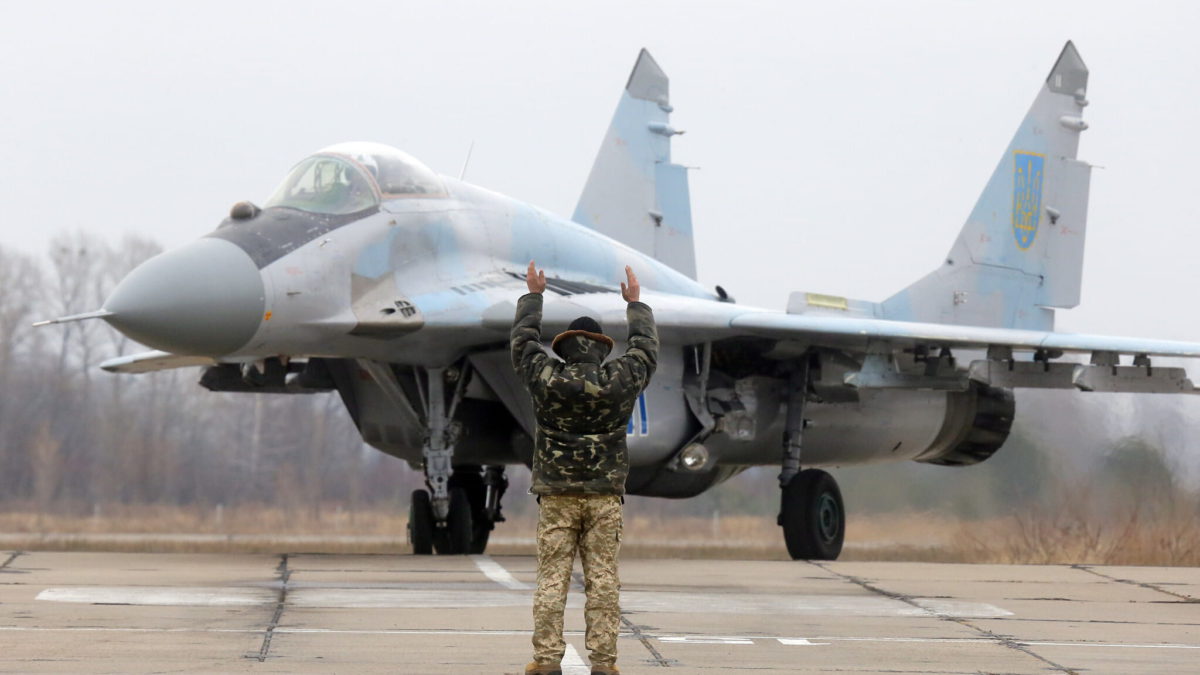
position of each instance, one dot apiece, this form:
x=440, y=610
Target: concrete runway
x=137, y=612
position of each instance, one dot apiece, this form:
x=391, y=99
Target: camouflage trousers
x=591, y=524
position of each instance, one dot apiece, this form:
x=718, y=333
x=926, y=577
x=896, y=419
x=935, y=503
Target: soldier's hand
x=631, y=291
x=535, y=279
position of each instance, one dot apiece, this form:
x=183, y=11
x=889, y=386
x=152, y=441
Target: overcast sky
x=840, y=145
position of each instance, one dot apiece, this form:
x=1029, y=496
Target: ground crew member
x=580, y=463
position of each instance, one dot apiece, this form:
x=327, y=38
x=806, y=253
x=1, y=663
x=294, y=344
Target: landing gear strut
x=811, y=511
x=461, y=506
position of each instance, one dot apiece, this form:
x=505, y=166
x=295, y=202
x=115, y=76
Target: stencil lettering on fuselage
x=641, y=417
x=1027, y=196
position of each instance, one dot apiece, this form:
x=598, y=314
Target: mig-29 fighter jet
x=368, y=274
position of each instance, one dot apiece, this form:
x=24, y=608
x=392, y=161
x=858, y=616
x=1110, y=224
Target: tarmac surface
x=143, y=612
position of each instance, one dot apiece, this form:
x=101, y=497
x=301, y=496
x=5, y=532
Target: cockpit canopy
x=353, y=177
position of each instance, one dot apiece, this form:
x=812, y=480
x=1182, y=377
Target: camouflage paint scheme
x=425, y=281
x=582, y=404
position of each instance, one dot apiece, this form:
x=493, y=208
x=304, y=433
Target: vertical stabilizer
x=634, y=193
x=1020, y=253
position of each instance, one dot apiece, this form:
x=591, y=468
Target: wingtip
x=1069, y=74
x=647, y=81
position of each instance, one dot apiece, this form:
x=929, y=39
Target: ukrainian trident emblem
x=1028, y=175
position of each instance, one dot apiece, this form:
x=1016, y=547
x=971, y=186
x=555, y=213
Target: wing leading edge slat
x=813, y=328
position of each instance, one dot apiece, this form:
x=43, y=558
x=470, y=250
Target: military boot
x=536, y=668
x=606, y=670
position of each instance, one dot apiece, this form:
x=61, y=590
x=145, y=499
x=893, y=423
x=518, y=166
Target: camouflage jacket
x=582, y=404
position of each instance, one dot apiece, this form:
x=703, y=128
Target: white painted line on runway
x=391, y=598
x=706, y=640
x=111, y=629
x=516, y=594
x=961, y=609
x=813, y=605
x=572, y=663
x=669, y=639
x=159, y=595
x=496, y=572
x=967, y=641
x=1104, y=644
x=416, y=631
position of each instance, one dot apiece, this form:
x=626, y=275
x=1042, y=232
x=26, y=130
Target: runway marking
x=496, y=572
x=450, y=596
x=388, y=598
x=572, y=663
x=1032, y=643
x=706, y=640
x=168, y=596
x=670, y=639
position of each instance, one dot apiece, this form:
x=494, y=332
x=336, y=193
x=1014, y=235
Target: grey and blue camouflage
x=582, y=404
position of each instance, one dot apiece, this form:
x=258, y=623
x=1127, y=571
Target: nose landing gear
x=459, y=508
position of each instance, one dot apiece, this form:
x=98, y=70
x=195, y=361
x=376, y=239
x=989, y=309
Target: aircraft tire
x=471, y=481
x=480, y=540
x=420, y=523
x=459, y=529
x=813, y=516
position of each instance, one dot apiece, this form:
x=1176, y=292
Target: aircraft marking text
x=643, y=428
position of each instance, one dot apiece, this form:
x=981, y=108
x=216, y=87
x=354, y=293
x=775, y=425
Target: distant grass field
x=1064, y=536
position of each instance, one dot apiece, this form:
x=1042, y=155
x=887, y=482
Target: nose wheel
x=420, y=523
x=474, y=509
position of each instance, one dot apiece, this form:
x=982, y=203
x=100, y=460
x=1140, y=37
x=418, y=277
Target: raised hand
x=631, y=291
x=535, y=279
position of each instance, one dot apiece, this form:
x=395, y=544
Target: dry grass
x=1071, y=534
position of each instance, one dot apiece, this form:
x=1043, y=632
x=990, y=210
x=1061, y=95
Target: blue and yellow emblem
x=1027, y=196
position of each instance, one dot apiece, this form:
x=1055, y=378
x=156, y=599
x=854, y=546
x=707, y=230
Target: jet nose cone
x=205, y=298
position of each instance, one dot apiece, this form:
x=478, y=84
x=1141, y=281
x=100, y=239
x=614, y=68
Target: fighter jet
x=368, y=274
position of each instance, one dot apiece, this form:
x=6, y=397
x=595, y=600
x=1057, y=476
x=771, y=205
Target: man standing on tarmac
x=580, y=463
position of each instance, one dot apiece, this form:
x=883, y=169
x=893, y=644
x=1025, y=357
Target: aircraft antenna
x=462, y=174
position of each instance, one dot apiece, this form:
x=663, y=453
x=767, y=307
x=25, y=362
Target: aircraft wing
x=702, y=320
x=839, y=331
x=148, y=362
x=885, y=345
x=887, y=348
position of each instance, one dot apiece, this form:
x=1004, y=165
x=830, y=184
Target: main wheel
x=470, y=480
x=455, y=538
x=813, y=516
x=420, y=523
x=480, y=539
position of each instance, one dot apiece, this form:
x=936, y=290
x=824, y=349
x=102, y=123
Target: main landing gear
x=811, y=511
x=461, y=506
